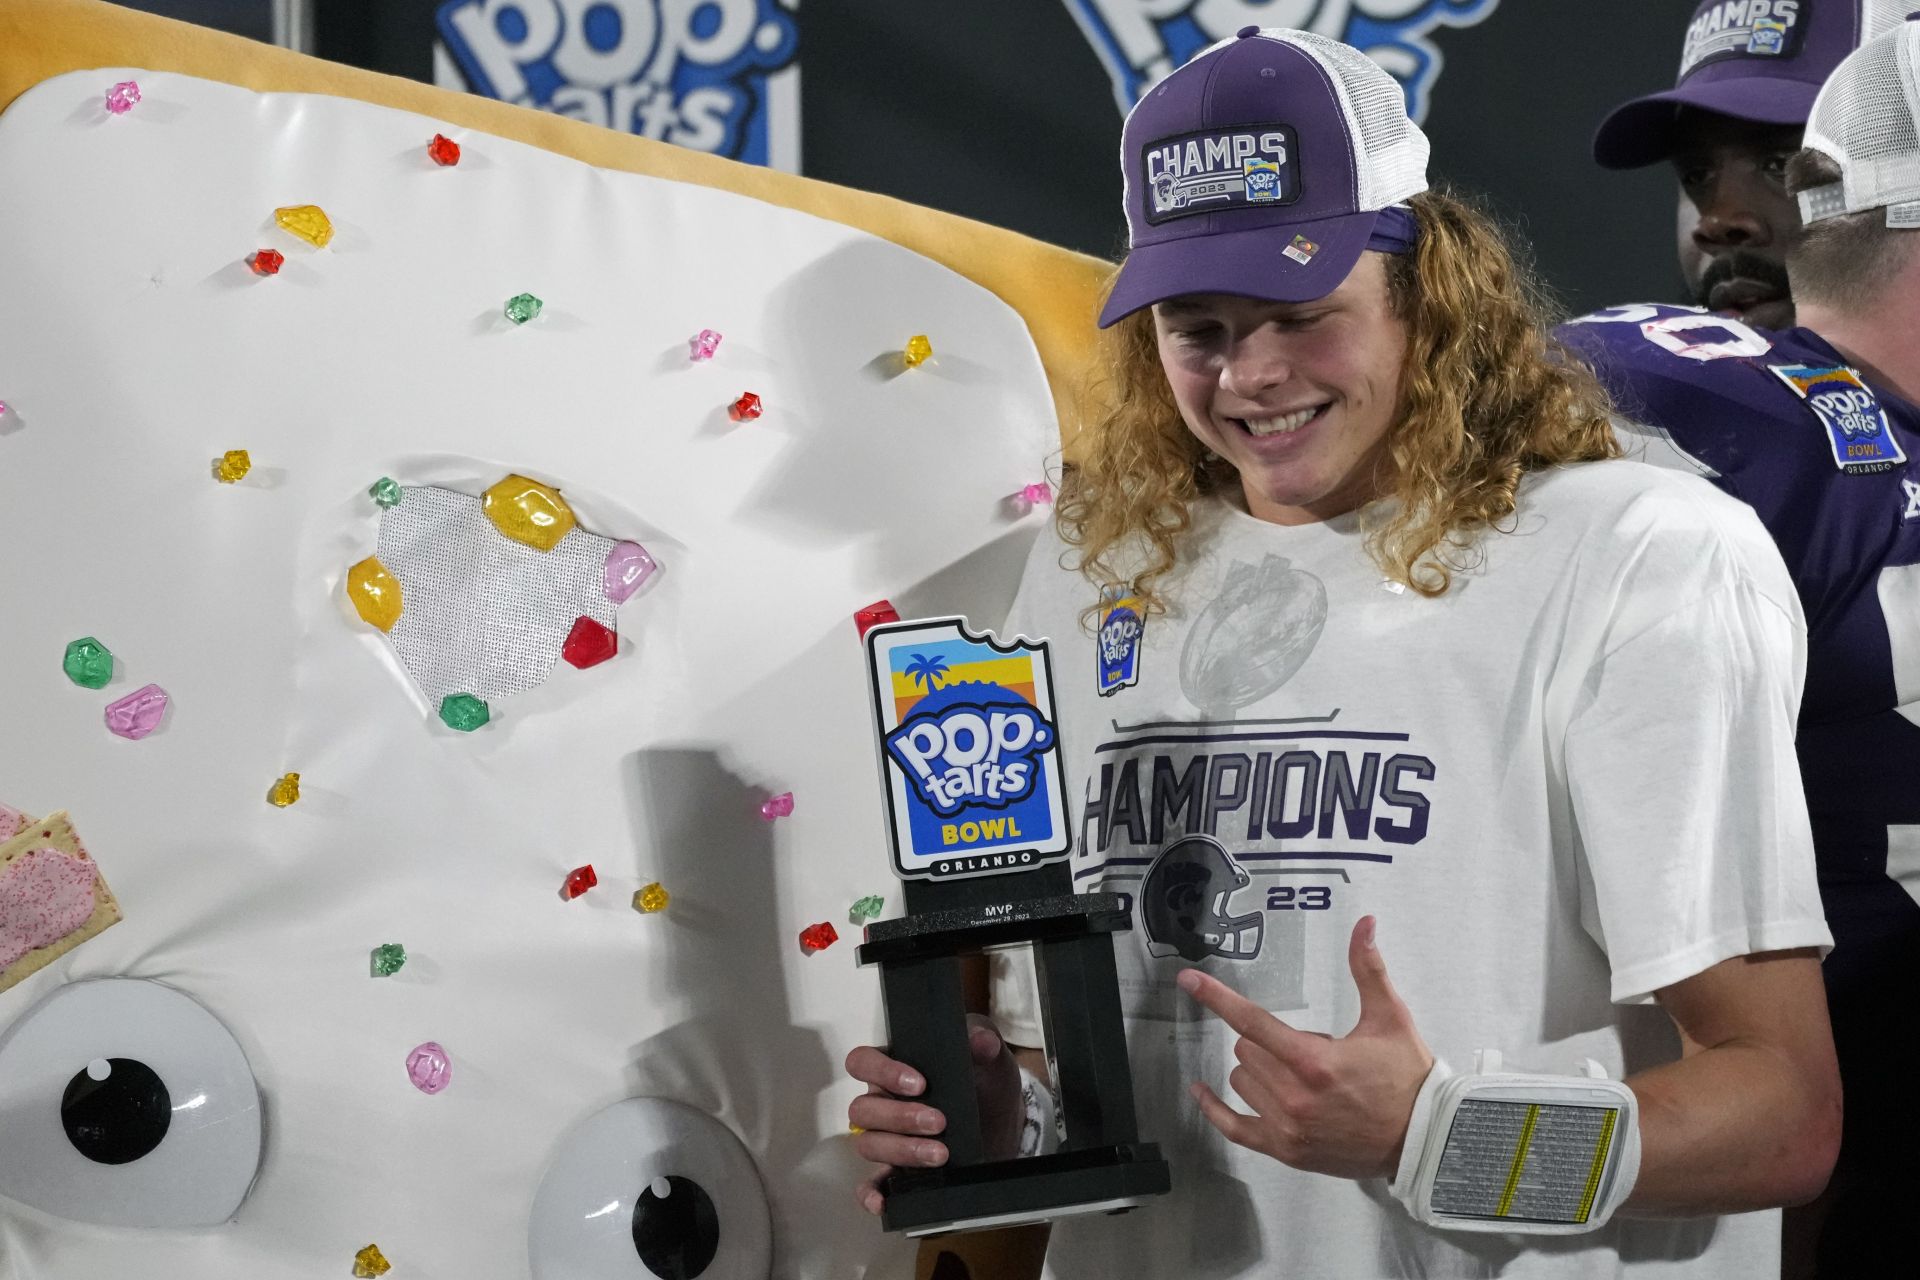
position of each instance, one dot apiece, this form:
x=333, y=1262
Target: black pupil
x=676, y=1235
x=119, y=1119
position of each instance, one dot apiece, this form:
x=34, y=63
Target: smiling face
x=1298, y=397
x=1736, y=219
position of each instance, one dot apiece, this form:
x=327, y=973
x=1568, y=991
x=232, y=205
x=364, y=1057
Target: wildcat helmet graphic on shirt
x=969, y=750
x=1184, y=902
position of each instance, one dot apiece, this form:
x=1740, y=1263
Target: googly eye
x=651, y=1190
x=126, y=1103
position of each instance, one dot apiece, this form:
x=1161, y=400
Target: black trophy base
x=1011, y=1193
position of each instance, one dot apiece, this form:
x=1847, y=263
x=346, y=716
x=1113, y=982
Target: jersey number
x=1312, y=897
x=1671, y=332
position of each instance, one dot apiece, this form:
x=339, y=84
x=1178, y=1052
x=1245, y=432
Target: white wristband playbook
x=1525, y=1154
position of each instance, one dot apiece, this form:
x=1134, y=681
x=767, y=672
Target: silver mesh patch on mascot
x=483, y=614
x=1525, y=1162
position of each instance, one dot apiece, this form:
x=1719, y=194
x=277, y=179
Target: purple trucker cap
x=1263, y=168
x=1758, y=60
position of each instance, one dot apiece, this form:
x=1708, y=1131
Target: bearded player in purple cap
x=1818, y=429
x=1749, y=70
x=1368, y=644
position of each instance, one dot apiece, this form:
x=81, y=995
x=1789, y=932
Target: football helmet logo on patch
x=1184, y=901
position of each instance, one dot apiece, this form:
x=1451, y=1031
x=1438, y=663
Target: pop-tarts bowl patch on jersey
x=1215, y=169
x=970, y=752
x=1855, y=423
x=1123, y=621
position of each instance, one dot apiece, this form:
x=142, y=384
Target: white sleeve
x=1014, y=996
x=1689, y=814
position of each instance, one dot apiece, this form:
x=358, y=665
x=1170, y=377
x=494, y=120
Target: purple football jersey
x=1831, y=463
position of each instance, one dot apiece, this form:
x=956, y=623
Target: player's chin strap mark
x=1500, y=1151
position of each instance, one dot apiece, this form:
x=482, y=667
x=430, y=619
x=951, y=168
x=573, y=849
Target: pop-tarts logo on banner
x=969, y=750
x=713, y=75
x=1142, y=41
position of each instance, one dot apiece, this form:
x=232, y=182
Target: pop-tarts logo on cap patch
x=1741, y=28
x=1846, y=406
x=969, y=750
x=1246, y=165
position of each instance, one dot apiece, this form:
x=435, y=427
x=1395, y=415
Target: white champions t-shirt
x=1561, y=786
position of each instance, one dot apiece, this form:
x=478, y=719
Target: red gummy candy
x=746, y=408
x=873, y=615
x=267, y=262
x=818, y=937
x=579, y=880
x=444, y=150
x=589, y=643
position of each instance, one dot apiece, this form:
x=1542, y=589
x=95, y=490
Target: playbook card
x=969, y=750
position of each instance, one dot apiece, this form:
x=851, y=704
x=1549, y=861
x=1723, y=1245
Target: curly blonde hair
x=1486, y=397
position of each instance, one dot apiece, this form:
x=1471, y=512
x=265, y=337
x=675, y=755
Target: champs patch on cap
x=1741, y=28
x=1856, y=424
x=1245, y=166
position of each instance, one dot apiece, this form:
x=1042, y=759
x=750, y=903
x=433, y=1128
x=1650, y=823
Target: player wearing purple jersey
x=1818, y=429
x=1749, y=70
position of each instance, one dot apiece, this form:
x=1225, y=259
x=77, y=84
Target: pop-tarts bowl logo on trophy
x=969, y=750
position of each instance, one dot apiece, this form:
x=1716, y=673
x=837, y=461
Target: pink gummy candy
x=780, y=806
x=428, y=1068
x=138, y=714
x=627, y=569
x=122, y=96
x=704, y=344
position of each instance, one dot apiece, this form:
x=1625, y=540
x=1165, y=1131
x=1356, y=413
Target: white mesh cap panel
x=1877, y=17
x=1864, y=119
x=1390, y=158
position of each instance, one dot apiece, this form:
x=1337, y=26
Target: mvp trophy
x=977, y=816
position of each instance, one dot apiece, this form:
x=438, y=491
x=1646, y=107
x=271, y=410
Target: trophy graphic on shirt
x=977, y=820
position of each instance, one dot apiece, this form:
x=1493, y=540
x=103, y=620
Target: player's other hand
x=1333, y=1106
x=900, y=1133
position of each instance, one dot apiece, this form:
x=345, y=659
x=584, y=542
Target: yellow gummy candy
x=528, y=511
x=308, y=221
x=286, y=791
x=370, y=1262
x=918, y=349
x=375, y=593
x=234, y=465
x=650, y=899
